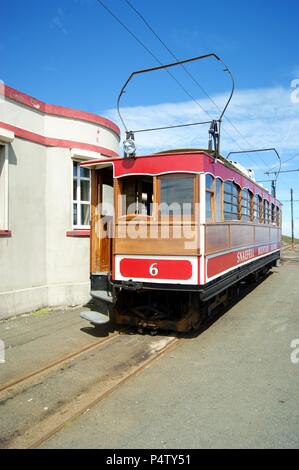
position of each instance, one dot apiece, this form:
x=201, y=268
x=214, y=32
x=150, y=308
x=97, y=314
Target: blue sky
x=73, y=53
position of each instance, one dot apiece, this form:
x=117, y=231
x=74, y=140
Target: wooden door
x=101, y=220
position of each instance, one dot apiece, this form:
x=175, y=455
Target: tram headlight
x=129, y=147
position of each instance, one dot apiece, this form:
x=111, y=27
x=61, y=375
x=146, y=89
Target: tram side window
x=231, y=201
x=266, y=212
x=277, y=216
x=177, y=195
x=257, y=214
x=273, y=215
x=218, y=200
x=137, y=195
x=246, y=205
x=210, y=198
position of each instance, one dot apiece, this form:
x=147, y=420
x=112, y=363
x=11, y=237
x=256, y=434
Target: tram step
x=95, y=317
x=102, y=295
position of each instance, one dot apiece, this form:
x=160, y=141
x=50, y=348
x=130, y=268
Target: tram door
x=102, y=222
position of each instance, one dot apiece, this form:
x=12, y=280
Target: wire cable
x=141, y=43
x=141, y=16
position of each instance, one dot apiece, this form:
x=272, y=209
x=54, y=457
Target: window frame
x=174, y=217
x=266, y=212
x=212, y=196
x=237, y=205
x=273, y=214
x=121, y=211
x=221, y=200
x=247, y=205
x=257, y=209
x=277, y=215
x=4, y=202
x=78, y=201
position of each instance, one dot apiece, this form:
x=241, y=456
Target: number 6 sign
x=153, y=269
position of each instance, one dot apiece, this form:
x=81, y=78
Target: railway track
x=59, y=362
x=88, y=406
x=43, y=426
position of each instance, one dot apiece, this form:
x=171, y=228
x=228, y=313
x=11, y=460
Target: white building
x=44, y=200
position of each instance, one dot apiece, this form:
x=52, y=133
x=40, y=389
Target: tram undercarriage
x=181, y=310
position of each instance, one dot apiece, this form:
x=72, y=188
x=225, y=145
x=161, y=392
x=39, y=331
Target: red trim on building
x=52, y=142
x=84, y=233
x=55, y=110
x=5, y=233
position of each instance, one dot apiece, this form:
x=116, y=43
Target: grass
x=287, y=240
x=39, y=312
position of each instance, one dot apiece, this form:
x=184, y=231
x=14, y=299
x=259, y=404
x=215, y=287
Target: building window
x=81, y=196
x=3, y=187
x=231, y=201
x=266, y=212
x=246, y=211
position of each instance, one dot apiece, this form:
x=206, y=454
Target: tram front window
x=137, y=193
x=177, y=195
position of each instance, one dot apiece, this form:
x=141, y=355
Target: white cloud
x=265, y=118
x=56, y=22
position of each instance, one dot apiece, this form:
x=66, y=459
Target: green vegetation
x=40, y=312
x=287, y=240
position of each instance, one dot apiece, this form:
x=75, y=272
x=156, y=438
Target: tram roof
x=178, y=161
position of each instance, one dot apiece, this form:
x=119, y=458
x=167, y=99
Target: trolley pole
x=273, y=187
x=292, y=217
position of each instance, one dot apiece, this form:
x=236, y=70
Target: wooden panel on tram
x=217, y=238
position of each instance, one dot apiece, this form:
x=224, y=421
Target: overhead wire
x=285, y=161
x=142, y=17
x=158, y=60
x=152, y=54
x=141, y=43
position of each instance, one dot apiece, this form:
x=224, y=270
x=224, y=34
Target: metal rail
x=38, y=442
x=56, y=363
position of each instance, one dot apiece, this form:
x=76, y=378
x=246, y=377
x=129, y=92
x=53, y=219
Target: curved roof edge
x=55, y=110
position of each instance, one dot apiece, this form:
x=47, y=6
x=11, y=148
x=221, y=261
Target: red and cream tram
x=165, y=269
x=173, y=233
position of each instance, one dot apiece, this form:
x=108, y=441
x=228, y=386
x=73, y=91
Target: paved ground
x=232, y=386
x=35, y=340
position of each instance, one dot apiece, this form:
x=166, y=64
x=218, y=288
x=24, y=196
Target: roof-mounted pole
x=214, y=131
x=272, y=149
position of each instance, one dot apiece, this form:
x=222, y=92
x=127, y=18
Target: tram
x=173, y=233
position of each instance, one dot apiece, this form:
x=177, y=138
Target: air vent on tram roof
x=246, y=171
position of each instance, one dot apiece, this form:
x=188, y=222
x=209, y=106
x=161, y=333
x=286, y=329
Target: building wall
x=42, y=260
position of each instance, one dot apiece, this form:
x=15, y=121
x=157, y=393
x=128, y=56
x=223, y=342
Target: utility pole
x=292, y=218
x=292, y=201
